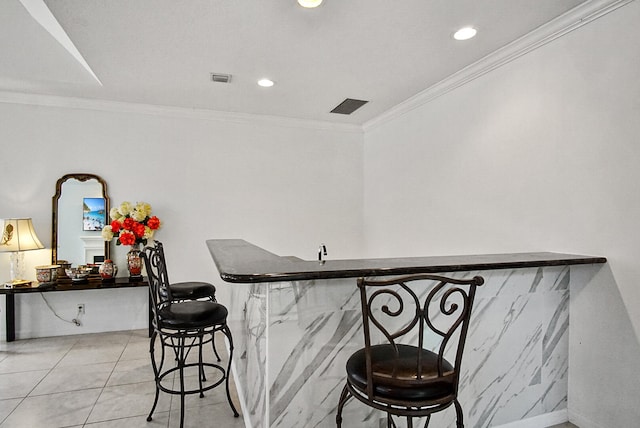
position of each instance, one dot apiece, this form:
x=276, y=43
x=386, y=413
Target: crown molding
x=8, y=97
x=562, y=25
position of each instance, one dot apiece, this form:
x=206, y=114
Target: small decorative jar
x=108, y=270
x=46, y=274
x=134, y=263
x=63, y=266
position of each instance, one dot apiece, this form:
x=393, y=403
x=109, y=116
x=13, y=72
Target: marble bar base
x=292, y=340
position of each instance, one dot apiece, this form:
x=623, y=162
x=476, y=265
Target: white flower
x=114, y=213
x=148, y=233
x=144, y=207
x=125, y=208
x=107, y=233
x=138, y=215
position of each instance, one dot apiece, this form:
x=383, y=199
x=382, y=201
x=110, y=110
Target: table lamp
x=17, y=236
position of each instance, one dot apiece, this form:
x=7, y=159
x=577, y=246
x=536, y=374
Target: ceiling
x=161, y=52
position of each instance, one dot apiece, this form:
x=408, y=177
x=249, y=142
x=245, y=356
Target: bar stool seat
x=397, y=377
x=192, y=314
x=193, y=290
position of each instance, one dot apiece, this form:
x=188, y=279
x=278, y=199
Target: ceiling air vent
x=348, y=106
x=220, y=78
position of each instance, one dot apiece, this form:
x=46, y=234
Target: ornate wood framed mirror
x=80, y=208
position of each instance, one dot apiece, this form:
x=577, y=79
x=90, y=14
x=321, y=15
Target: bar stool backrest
x=158, y=278
x=428, y=312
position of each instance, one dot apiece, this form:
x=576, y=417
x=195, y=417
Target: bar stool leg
x=459, y=414
x=344, y=396
x=181, y=362
x=426, y=423
x=156, y=371
x=227, y=333
x=215, y=351
x=200, y=365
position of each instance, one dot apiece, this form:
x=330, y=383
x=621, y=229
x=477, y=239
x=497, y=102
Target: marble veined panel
x=313, y=338
x=293, y=340
x=247, y=321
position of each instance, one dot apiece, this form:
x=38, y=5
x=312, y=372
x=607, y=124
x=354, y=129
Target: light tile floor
x=100, y=380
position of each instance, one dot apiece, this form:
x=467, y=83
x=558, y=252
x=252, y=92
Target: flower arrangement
x=131, y=224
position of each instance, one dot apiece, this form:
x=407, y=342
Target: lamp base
x=17, y=283
x=17, y=266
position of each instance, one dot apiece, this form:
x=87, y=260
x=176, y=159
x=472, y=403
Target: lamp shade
x=17, y=234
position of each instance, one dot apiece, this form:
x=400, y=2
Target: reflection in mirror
x=80, y=209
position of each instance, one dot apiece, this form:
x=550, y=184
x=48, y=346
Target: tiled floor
x=98, y=380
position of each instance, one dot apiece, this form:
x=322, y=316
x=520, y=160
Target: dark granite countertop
x=240, y=261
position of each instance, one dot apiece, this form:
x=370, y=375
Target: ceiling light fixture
x=465, y=33
x=265, y=83
x=309, y=3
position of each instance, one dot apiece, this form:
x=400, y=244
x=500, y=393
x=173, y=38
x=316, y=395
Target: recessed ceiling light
x=309, y=3
x=265, y=83
x=465, y=33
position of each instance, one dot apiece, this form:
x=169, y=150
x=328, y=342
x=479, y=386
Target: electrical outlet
x=81, y=308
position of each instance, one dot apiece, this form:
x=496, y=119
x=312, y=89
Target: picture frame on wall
x=94, y=214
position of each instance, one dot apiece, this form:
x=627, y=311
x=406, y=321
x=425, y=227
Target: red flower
x=153, y=223
x=127, y=238
x=138, y=230
x=128, y=230
x=128, y=223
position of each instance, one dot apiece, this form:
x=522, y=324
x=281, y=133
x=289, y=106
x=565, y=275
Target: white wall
x=538, y=155
x=285, y=185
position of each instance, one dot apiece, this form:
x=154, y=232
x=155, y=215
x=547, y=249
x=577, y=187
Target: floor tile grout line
x=14, y=409
x=116, y=419
x=107, y=380
x=49, y=372
x=22, y=399
x=132, y=339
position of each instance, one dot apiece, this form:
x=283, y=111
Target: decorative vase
x=134, y=263
x=108, y=270
x=46, y=274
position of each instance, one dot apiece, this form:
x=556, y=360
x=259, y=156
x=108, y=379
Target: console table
x=11, y=293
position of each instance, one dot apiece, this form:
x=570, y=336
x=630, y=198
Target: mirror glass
x=80, y=210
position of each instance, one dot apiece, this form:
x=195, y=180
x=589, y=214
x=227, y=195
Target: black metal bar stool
x=190, y=290
x=182, y=326
x=410, y=323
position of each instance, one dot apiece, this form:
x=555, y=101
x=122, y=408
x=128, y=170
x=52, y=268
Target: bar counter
x=295, y=323
x=240, y=261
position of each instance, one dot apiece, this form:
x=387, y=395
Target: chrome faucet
x=322, y=250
